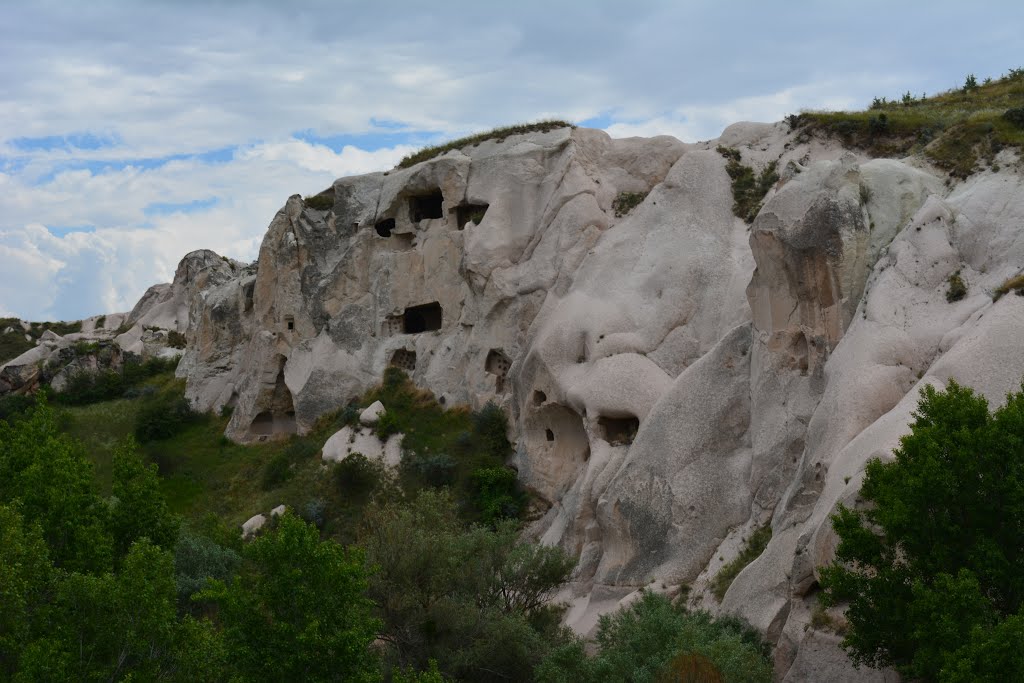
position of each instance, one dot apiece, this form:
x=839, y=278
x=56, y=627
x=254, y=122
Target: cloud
x=134, y=132
x=131, y=246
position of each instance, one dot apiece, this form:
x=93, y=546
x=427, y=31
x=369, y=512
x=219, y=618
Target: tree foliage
x=653, y=639
x=933, y=566
x=471, y=599
x=297, y=611
x=51, y=479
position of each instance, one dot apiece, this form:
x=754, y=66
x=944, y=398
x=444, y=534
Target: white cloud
x=167, y=78
x=83, y=273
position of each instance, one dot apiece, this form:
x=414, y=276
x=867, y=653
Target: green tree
x=24, y=582
x=50, y=476
x=472, y=599
x=124, y=626
x=298, y=611
x=652, y=638
x=138, y=508
x=933, y=566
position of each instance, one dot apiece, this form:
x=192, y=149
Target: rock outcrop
x=674, y=377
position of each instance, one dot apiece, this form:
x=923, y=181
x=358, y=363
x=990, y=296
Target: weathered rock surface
x=674, y=377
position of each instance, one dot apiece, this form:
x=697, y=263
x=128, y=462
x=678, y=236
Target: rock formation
x=674, y=377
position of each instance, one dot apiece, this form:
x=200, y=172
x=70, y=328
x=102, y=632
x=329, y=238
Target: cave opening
x=619, y=431
x=385, y=227
x=426, y=206
x=425, y=318
x=469, y=213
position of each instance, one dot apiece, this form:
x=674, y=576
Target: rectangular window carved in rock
x=423, y=207
x=425, y=318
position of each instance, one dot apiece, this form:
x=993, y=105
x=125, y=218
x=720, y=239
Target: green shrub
x=357, y=475
x=176, y=340
x=653, y=640
x=756, y=544
x=281, y=467
x=748, y=189
x=496, y=494
x=474, y=599
x=627, y=201
x=432, y=469
x=276, y=472
x=957, y=288
x=321, y=202
x=1015, y=116
x=498, y=134
x=197, y=559
x=490, y=427
x=387, y=425
x=1014, y=284
x=163, y=416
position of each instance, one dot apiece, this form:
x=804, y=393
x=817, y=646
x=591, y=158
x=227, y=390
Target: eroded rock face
x=674, y=377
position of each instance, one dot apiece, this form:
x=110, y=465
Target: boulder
x=252, y=525
x=278, y=511
x=372, y=414
x=350, y=440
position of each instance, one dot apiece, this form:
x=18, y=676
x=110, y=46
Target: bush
x=276, y=472
x=496, y=494
x=491, y=428
x=357, y=475
x=387, y=425
x=653, y=640
x=957, y=288
x=197, y=559
x=627, y=201
x=432, y=469
x=280, y=468
x=1014, y=284
x=1015, y=116
x=475, y=600
x=321, y=202
x=176, y=340
x=163, y=416
x=756, y=544
x=748, y=189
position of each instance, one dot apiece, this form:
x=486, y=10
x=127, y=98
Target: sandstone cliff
x=675, y=377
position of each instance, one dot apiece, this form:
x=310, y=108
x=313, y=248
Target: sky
x=134, y=132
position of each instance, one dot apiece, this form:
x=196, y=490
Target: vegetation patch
x=627, y=201
x=957, y=288
x=498, y=134
x=176, y=340
x=748, y=188
x=320, y=202
x=1014, y=284
x=756, y=544
x=654, y=640
x=955, y=130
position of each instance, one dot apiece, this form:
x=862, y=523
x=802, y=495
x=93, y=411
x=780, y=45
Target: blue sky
x=133, y=132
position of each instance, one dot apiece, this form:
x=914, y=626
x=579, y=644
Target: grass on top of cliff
x=956, y=130
x=498, y=134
